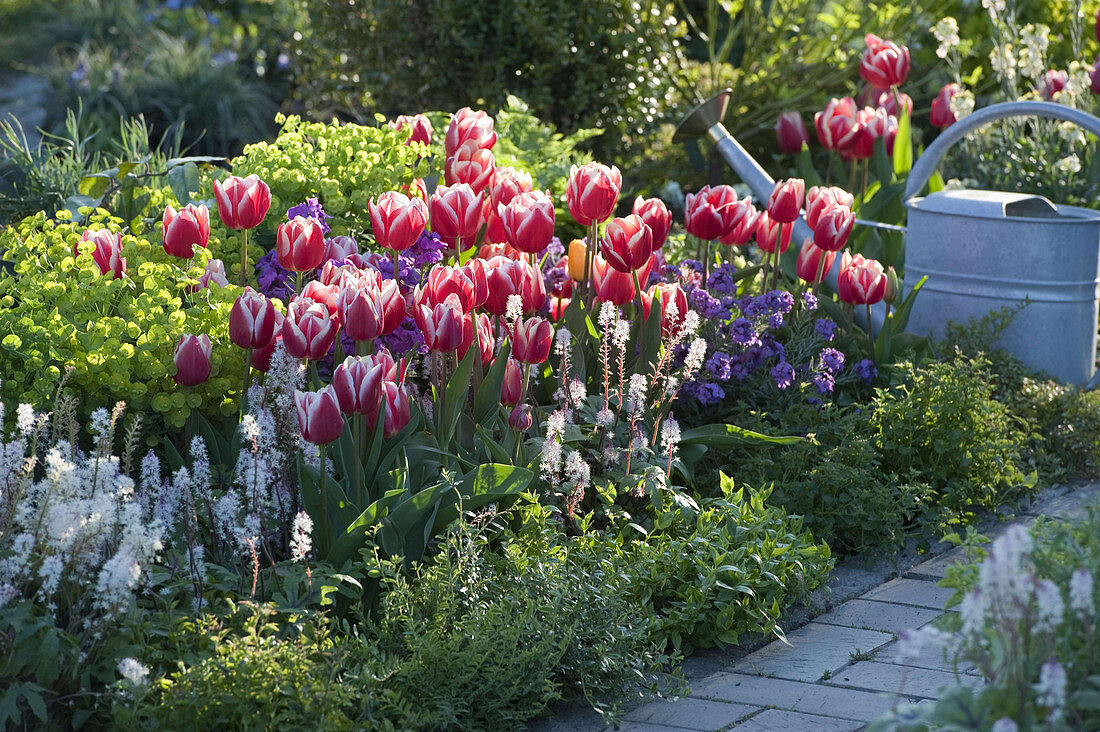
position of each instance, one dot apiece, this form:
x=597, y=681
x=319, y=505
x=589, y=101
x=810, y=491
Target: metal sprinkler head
x=703, y=117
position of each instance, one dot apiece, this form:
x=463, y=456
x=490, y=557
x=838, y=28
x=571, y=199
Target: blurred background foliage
x=208, y=76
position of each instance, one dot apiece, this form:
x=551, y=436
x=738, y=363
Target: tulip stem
x=358, y=436
x=396, y=265
x=589, y=253
x=244, y=257
x=247, y=379
x=870, y=338
x=767, y=271
x=324, y=501
x=820, y=272
x=706, y=264
x=297, y=284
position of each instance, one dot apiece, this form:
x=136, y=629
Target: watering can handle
x=924, y=168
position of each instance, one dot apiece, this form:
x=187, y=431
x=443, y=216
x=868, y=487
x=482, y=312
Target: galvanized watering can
x=981, y=250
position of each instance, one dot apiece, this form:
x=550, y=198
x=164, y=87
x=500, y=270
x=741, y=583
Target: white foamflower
x=670, y=436
x=1048, y=599
x=576, y=469
x=25, y=418
x=1005, y=724
x=636, y=394
x=133, y=671
x=694, y=359
x=301, y=537
x=947, y=33
x=1080, y=593
x=1051, y=689
x=513, y=311
x=962, y=105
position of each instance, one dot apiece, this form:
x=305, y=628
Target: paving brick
x=779, y=720
x=1068, y=506
x=930, y=658
x=937, y=566
x=909, y=681
x=693, y=714
x=921, y=593
x=646, y=727
x=885, y=616
x=794, y=696
x=813, y=649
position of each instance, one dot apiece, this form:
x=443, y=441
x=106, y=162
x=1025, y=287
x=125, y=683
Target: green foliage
x=342, y=165
x=720, y=573
x=595, y=64
x=942, y=427
x=117, y=335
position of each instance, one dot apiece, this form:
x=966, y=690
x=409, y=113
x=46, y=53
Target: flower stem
x=244, y=257
x=247, y=379
x=706, y=263
x=870, y=338
x=324, y=501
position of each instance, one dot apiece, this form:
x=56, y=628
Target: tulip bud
x=319, y=415
x=531, y=341
x=107, y=252
x=528, y=221
x=192, y=359
x=891, y=292
x=941, y=115
x=420, y=128
x=838, y=124
x=358, y=385
x=468, y=126
x=520, y=419
x=888, y=101
x=511, y=389
x=398, y=414
x=786, y=200
x=790, y=132
x=185, y=230
x=242, y=202
x=252, y=320
x=391, y=370
x=861, y=281
x=592, y=192
x=884, y=64
x=578, y=252
x=300, y=244
x=627, y=243
x=471, y=165
x=743, y=218
x=708, y=214
x=456, y=213
x=444, y=281
x=809, y=262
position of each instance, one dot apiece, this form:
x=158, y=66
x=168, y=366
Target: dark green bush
x=593, y=64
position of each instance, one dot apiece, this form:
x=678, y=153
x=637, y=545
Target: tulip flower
x=192, y=359
x=477, y=272
x=420, y=128
x=468, y=126
x=613, y=286
x=578, y=255
x=444, y=281
x=885, y=64
x=790, y=132
x=837, y=124
x=398, y=414
x=520, y=419
x=627, y=243
x=361, y=313
x=393, y=306
x=308, y=331
x=821, y=198
x=456, y=213
x=242, y=202
x=744, y=218
x=708, y=214
x=767, y=234
x=861, y=281
x=813, y=262
x=477, y=330
x=442, y=324
x=319, y=415
x=528, y=221
x=358, y=385
x=514, y=277
x=532, y=340
x=786, y=200
x=1094, y=76
x=888, y=100
x=558, y=306
x=252, y=320
x=185, y=230
x=333, y=274
x=415, y=189
x=300, y=244
x=1052, y=83
x=674, y=305
x=261, y=356
x=213, y=274
x=880, y=124
x=507, y=184
x=511, y=389
x=656, y=216
x=592, y=192
x=391, y=370
x=342, y=247
x=470, y=164
x=107, y=253
x=941, y=115
x=833, y=227
x=322, y=294
x=397, y=221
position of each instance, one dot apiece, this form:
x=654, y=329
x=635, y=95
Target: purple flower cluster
x=825, y=328
x=867, y=371
x=312, y=207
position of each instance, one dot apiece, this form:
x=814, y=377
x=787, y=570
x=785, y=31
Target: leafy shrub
x=343, y=165
x=835, y=479
x=118, y=335
x=943, y=427
x=597, y=64
x=1028, y=624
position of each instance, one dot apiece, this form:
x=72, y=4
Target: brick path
x=840, y=671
